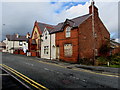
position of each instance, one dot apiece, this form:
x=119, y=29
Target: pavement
x=110, y=70
x=99, y=69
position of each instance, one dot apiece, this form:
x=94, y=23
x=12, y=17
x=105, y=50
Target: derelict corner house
x=70, y=40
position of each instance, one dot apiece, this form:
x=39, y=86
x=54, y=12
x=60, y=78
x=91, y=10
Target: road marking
x=46, y=68
x=25, y=78
x=4, y=74
x=76, y=69
x=29, y=64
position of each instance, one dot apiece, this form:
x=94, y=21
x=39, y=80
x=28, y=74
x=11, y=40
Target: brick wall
x=86, y=40
x=61, y=40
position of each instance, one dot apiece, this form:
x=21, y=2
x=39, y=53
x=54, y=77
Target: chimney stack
x=94, y=7
x=28, y=35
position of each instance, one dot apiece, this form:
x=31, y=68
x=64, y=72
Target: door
x=57, y=52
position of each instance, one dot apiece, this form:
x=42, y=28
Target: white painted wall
x=53, y=47
x=15, y=44
x=46, y=42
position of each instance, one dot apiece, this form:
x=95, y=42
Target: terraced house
x=48, y=49
x=74, y=39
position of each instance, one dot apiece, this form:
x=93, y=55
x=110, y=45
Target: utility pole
x=93, y=31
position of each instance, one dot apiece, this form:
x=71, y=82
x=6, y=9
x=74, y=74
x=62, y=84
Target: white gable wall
x=46, y=43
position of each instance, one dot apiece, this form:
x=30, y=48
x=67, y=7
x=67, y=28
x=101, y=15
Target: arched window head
x=68, y=30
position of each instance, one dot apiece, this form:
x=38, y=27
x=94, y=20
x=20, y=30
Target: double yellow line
x=25, y=78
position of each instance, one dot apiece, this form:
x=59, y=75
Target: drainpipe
x=50, y=46
x=40, y=46
x=78, y=47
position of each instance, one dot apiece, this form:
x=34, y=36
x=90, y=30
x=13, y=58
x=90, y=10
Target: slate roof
x=14, y=38
x=43, y=25
x=75, y=22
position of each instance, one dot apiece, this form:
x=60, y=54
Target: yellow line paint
x=75, y=69
x=27, y=78
x=23, y=77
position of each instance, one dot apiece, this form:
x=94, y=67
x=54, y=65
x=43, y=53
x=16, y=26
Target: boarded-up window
x=68, y=50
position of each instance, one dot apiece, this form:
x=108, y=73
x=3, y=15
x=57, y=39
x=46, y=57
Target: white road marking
x=29, y=64
x=46, y=68
x=77, y=78
x=58, y=72
x=74, y=77
x=4, y=74
x=83, y=80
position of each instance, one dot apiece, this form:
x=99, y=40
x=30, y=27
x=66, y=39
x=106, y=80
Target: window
x=68, y=29
x=46, y=35
x=68, y=50
x=20, y=43
x=46, y=48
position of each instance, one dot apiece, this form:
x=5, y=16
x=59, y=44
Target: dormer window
x=68, y=30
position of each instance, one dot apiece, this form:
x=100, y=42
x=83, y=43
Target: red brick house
x=74, y=37
x=34, y=44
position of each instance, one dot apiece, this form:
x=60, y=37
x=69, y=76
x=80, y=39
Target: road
x=52, y=76
x=10, y=83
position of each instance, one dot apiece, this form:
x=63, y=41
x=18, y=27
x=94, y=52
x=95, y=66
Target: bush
x=102, y=60
x=115, y=59
x=86, y=61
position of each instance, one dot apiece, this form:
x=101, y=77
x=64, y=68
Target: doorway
x=57, y=52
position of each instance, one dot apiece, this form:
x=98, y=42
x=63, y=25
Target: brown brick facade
x=61, y=40
x=82, y=38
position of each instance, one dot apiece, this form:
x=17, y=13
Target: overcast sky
x=19, y=17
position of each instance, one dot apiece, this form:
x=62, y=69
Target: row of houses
x=16, y=43
x=71, y=40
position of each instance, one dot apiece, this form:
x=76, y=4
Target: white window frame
x=68, y=31
x=46, y=50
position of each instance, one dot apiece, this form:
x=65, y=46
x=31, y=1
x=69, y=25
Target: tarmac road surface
x=51, y=76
